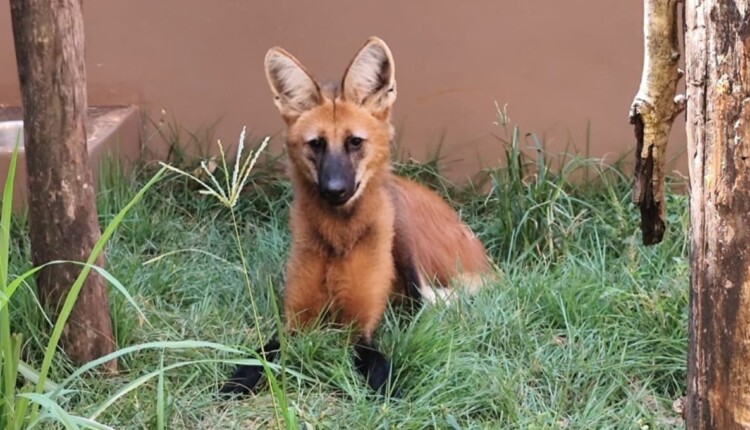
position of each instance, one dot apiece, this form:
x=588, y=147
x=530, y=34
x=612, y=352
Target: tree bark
x=718, y=132
x=63, y=221
x=653, y=111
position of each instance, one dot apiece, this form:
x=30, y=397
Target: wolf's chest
x=337, y=243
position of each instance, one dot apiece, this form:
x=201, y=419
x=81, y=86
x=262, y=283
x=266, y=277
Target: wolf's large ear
x=294, y=90
x=370, y=79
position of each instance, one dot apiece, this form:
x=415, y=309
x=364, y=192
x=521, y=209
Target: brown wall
x=557, y=64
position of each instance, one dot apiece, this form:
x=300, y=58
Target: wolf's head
x=338, y=137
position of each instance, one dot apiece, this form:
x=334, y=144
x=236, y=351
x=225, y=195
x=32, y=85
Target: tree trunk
x=718, y=131
x=63, y=220
x=653, y=111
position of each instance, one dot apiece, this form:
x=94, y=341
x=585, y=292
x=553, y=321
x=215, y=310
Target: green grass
x=585, y=329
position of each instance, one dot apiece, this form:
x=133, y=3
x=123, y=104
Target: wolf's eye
x=354, y=142
x=317, y=144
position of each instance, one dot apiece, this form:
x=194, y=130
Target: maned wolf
x=360, y=234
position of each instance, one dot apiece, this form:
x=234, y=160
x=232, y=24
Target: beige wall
x=558, y=64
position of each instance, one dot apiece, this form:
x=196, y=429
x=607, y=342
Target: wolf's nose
x=334, y=190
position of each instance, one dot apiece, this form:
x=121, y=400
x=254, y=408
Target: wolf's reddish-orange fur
x=342, y=258
x=441, y=244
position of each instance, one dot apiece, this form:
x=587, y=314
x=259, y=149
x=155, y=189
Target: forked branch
x=653, y=111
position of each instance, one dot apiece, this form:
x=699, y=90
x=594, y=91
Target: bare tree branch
x=653, y=111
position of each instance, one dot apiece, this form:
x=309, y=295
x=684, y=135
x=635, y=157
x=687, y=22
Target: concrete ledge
x=112, y=131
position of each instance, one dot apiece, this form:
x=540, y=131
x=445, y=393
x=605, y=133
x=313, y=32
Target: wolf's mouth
x=344, y=198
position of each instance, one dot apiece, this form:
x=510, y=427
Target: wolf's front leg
x=304, y=298
x=362, y=284
x=245, y=378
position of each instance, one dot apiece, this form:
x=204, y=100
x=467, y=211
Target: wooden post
x=717, y=47
x=63, y=221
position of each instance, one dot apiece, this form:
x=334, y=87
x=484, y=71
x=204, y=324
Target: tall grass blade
x=7, y=413
x=160, y=395
x=138, y=382
x=13, y=286
x=174, y=346
x=53, y=410
x=32, y=375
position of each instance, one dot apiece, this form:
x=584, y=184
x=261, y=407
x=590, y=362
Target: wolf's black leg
x=407, y=272
x=245, y=377
x=410, y=277
x=373, y=365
